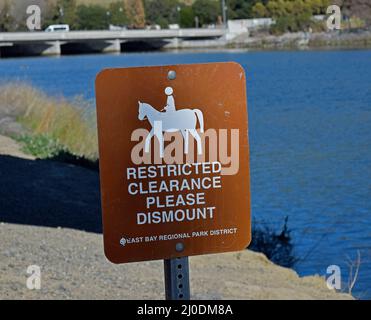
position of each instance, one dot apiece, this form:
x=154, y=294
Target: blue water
x=310, y=137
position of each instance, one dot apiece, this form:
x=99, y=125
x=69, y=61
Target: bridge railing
x=108, y=34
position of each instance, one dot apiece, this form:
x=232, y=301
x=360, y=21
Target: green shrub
x=41, y=146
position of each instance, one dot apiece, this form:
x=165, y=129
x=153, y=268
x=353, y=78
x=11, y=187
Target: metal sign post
x=176, y=273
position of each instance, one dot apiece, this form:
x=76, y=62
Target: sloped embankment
x=48, y=207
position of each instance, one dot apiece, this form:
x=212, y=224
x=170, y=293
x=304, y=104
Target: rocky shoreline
x=303, y=40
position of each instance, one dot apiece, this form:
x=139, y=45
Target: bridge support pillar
x=54, y=48
x=112, y=46
x=174, y=43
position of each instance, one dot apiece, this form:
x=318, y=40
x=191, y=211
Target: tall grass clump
x=53, y=124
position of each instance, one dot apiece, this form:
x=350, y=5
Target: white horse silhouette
x=183, y=120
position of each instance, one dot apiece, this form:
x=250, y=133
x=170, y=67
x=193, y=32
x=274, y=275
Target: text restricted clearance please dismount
x=176, y=188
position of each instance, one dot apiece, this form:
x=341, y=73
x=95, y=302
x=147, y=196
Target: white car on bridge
x=58, y=28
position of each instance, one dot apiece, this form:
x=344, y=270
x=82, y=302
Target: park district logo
x=174, y=177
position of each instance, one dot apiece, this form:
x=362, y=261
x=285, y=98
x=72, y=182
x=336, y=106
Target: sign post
x=176, y=272
x=174, y=165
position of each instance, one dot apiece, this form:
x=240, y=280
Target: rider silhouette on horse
x=170, y=102
x=183, y=120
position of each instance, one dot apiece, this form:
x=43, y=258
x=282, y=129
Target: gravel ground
x=73, y=267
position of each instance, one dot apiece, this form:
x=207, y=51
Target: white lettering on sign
x=158, y=191
x=185, y=235
x=173, y=170
x=175, y=216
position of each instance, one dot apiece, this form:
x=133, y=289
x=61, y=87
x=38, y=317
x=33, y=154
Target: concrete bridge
x=56, y=43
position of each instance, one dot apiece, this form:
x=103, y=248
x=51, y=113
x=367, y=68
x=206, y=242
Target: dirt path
x=10, y=147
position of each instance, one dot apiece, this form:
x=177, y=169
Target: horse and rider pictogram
x=172, y=120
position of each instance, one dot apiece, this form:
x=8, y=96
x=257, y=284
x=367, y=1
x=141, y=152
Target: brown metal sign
x=174, y=160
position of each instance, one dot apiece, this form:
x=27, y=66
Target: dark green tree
x=118, y=14
x=63, y=12
x=162, y=12
x=240, y=9
x=66, y=10
x=207, y=11
x=187, y=17
x=92, y=17
x=291, y=16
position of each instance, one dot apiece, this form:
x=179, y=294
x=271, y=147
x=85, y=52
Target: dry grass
x=103, y=3
x=71, y=124
x=353, y=271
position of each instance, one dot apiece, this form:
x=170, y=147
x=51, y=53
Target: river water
x=310, y=138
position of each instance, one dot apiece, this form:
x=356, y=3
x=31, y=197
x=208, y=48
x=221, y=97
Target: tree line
x=94, y=15
x=290, y=15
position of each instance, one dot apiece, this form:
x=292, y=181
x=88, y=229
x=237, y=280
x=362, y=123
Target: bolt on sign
x=174, y=160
